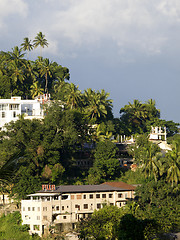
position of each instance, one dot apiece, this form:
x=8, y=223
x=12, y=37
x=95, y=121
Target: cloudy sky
x=130, y=48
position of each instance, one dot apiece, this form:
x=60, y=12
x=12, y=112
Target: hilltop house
x=10, y=109
x=65, y=205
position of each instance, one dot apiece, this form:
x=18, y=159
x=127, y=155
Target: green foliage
x=115, y=223
x=106, y=165
x=133, y=177
x=138, y=117
x=11, y=228
x=43, y=150
x=161, y=202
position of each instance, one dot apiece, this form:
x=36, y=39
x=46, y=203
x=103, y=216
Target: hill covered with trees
x=34, y=152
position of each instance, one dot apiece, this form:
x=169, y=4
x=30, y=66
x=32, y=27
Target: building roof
x=106, y=187
x=120, y=185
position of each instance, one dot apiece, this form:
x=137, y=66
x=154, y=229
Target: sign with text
x=48, y=187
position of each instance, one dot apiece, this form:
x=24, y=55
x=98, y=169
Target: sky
x=130, y=48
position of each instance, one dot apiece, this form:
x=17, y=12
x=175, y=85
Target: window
x=77, y=206
x=103, y=195
x=110, y=195
x=64, y=197
x=111, y=204
x=23, y=208
x=72, y=197
x=85, y=206
x=14, y=114
x=55, y=197
x=84, y=196
x=97, y=195
x=44, y=217
x=29, y=209
x=91, y=196
x=38, y=208
x=44, y=209
x=3, y=115
x=14, y=106
x=38, y=217
x=62, y=207
x=79, y=197
x=98, y=206
x=57, y=208
x=33, y=208
x=3, y=106
x=119, y=195
x=64, y=217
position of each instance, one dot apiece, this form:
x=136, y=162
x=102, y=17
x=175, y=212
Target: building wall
x=67, y=208
x=10, y=109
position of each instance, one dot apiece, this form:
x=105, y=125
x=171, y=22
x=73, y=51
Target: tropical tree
x=46, y=69
x=26, y=45
x=36, y=89
x=106, y=165
x=96, y=104
x=148, y=156
x=40, y=41
x=173, y=164
x=73, y=96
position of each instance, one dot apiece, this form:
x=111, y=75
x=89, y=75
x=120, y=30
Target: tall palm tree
x=40, y=41
x=173, y=164
x=17, y=64
x=26, y=45
x=46, y=70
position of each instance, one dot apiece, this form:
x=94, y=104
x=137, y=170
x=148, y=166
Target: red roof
x=121, y=185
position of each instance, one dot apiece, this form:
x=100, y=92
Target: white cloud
x=146, y=27
x=142, y=25
x=9, y=7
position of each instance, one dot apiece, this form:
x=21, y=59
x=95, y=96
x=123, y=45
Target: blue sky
x=130, y=48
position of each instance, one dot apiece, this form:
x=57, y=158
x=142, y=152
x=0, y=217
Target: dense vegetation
x=11, y=228
x=45, y=151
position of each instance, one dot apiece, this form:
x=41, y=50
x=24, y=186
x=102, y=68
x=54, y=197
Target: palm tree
x=173, y=164
x=46, y=70
x=8, y=168
x=73, y=96
x=26, y=45
x=149, y=157
x=17, y=64
x=36, y=89
x=40, y=41
x=134, y=114
x=96, y=104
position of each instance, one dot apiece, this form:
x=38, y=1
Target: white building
x=64, y=206
x=10, y=109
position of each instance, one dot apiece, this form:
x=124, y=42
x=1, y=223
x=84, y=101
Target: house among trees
x=63, y=206
x=11, y=109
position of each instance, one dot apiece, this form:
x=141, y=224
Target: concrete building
x=64, y=206
x=10, y=109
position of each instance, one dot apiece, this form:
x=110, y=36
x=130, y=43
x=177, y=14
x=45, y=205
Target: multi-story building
x=65, y=205
x=10, y=109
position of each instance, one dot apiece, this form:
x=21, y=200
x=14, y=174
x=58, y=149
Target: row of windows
x=98, y=195
x=11, y=106
x=87, y=206
x=27, y=217
x=3, y=114
x=32, y=209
